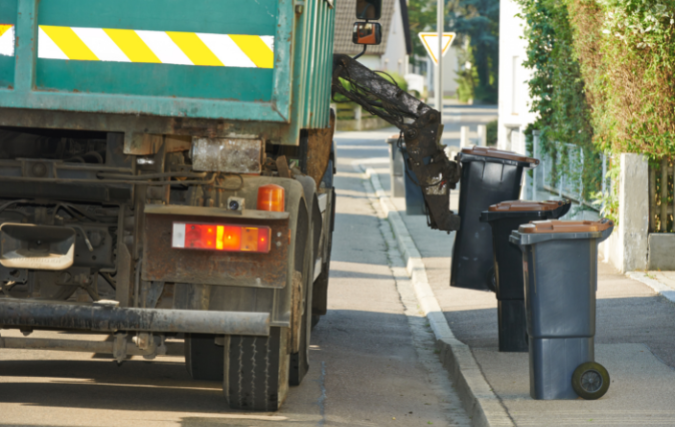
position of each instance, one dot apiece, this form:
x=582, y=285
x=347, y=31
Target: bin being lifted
x=489, y=176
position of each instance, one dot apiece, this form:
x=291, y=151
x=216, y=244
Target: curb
x=665, y=291
x=478, y=399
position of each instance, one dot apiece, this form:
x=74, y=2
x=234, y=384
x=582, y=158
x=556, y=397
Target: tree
x=477, y=22
x=422, y=17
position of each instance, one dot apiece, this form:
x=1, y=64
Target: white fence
x=561, y=174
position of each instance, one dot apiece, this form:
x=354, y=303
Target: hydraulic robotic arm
x=420, y=125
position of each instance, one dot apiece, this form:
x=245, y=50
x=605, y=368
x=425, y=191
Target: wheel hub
x=591, y=381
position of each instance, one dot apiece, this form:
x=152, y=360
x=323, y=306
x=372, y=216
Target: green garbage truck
x=166, y=172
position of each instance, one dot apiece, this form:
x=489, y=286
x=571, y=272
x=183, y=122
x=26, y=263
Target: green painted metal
x=295, y=93
x=315, y=65
x=7, y=63
x=242, y=84
x=256, y=17
x=229, y=17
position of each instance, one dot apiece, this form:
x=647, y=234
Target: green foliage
x=608, y=203
x=422, y=17
x=620, y=55
x=628, y=59
x=559, y=93
x=395, y=78
x=477, y=22
x=491, y=133
x=466, y=77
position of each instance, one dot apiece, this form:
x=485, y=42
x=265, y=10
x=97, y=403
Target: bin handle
x=604, y=234
x=514, y=238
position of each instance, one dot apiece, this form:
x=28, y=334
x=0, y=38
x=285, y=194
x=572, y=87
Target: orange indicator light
x=271, y=197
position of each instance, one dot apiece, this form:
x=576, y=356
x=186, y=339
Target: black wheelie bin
x=489, y=176
x=505, y=217
x=560, y=261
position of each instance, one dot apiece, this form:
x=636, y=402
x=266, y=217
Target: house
x=392, y=54
x=514, y=99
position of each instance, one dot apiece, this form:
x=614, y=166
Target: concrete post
x=357, y=117
x=482, y=135
x=634, y=211
x=463, y=137
x=627, y=248
x=537, y=180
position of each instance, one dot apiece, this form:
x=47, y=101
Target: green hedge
x=604, y=72
x=558, y=90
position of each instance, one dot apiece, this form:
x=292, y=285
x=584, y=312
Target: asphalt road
x=372, y=355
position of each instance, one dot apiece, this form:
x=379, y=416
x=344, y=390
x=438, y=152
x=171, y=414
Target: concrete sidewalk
x=634, y=341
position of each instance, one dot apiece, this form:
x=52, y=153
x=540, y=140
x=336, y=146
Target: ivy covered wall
x=603, y=77
x=558, y=90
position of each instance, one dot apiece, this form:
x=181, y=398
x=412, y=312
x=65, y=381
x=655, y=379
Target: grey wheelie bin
x=505, y=217
x=414, y=198
x=489, y=176
x=396, y=167
x=403, y=182
x=560, y=260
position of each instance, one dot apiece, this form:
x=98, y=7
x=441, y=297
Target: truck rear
x=166, y=171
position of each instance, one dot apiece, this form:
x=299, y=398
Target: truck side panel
x=7, y=31
x=224, y=59
x=314, y=64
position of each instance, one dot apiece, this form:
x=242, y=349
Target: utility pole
x=438, y=83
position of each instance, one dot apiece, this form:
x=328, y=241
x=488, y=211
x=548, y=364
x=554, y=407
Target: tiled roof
x=345, y=16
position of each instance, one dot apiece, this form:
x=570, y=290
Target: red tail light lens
x=271, y=197
x=221, y=237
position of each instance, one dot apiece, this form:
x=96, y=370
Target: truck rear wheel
x=256, y=371
x=203, y=358
x=300, y=360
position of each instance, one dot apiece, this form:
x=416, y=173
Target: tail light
x=271, y=197
x=221, y=237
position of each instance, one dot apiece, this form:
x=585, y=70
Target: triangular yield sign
x=430, y=42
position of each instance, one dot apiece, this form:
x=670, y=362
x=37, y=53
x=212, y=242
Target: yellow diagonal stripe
x=195, y=49
x=132, y=45
x=71, y=45
x=256, y=49
x=4, y=28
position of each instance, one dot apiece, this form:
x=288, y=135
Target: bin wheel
x=590, y=380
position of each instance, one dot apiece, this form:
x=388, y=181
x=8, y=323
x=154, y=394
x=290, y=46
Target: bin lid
x=498, y=154
x=393, y=138
x=526, y=205
x=558, y=226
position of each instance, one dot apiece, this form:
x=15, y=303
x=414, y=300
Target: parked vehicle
x=166, y=170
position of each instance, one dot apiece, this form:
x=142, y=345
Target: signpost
x=437, y=47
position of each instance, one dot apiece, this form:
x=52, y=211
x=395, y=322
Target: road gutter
x=665, y=291
x=478, y=399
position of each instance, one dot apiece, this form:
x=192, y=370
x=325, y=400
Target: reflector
x=221, y=237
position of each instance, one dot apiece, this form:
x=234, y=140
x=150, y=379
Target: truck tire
x=257, y=371
x=203, y=358
x=300, y=360
x=320, y=287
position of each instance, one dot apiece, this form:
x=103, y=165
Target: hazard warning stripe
x=155, y=47
x=6, y=40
